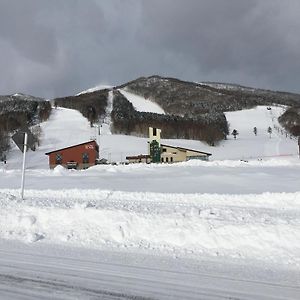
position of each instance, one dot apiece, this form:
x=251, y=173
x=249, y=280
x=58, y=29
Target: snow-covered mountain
x=177, y=96
x=21, y=96
x=198, y=105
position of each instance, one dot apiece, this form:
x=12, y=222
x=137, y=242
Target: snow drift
x=265, y=226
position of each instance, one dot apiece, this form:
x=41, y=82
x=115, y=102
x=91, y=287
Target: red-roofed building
x=80, y=156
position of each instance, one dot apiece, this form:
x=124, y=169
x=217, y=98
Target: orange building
x=79, y=156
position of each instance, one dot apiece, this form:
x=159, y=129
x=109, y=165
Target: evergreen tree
x=234, y=133
x=4, y=143
x=255, y=130
x=269, y=131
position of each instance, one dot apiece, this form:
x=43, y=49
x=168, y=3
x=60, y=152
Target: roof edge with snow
x=70, y=147
x=186, y=149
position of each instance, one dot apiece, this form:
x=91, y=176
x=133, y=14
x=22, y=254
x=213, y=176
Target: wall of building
x=178, y=155
x=76, y=154
x=172, y=155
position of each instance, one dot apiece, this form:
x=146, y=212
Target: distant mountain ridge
x=178, y=97
x=21, y=96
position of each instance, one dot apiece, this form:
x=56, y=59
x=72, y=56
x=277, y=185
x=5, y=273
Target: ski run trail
x=224, y=229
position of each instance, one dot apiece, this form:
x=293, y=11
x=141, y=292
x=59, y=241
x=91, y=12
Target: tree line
x=209, y=127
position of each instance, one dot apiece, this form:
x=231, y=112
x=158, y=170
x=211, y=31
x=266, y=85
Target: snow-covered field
x=224, y=229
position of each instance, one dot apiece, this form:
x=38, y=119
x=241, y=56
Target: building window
x=85, y=158
x=154, y=131
x=171, y=158
x=167, y=159
x=58, y=158
x=164, y=149
x=162, y=159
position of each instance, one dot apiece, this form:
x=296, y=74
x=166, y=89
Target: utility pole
x=24, y=139
x=23, y=166
x=99, y=133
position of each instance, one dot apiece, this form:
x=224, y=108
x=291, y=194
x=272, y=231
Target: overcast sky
x=54, y=48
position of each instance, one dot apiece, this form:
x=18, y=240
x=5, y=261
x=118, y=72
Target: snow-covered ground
x=264, y=226
x=37, y=271
x=224, y=229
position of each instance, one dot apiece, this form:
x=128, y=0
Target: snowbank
x=265, y=226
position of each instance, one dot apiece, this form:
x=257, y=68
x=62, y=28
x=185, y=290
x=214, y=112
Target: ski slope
x=223, y=229
x=142, y=104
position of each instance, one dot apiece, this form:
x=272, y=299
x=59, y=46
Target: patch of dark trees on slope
x=91, y=105
x=290, y=120
x=209, y=127
x=17, y=111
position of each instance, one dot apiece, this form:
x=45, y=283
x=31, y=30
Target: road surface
x=32, y=271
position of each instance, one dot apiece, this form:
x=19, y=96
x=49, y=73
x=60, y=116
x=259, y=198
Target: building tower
x=154, y=144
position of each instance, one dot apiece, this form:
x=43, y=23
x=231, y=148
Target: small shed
x=80, y=156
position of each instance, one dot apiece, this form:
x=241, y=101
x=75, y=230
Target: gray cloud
x=56, y=48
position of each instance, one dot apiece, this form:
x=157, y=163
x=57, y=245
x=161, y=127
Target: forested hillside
x=290, y=120
x=17, y=111
x=208, y=127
